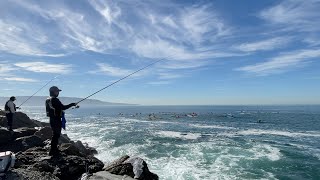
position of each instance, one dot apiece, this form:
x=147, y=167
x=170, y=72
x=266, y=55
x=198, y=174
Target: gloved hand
x=18, y=108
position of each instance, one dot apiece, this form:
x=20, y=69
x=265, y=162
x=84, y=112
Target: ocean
x=219, y=142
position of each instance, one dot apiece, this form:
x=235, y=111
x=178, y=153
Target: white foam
x=279, y=133
x=174, y=134
x=212, y=126
x=265, y=151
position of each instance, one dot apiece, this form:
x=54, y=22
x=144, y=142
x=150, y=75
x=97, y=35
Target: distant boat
x=192, y=115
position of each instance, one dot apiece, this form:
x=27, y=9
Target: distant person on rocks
x=10, y=108
x=55, y=112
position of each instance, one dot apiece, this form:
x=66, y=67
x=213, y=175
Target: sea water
x=221, y=142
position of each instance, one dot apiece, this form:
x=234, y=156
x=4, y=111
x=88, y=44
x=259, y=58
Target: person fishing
x=55, y=112
x=10, y=109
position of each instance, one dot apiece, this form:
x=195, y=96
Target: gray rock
x=21, y=120
x=24, y=174
x=119, y=167
x=21, y=132
x=104, y=175
x=64, y=166
x=44, y=133
x=70, y=149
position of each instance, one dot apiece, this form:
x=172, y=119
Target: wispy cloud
x=111, y=70
x=297, y=15
x=20, y=79
x=264, y=45
x=6, y=69
x=44, y=67
x=191, y=32
x=282, y=62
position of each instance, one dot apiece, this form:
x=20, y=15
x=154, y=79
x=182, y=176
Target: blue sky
x=216, y=52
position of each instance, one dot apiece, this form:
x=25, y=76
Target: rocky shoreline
x=30, y=141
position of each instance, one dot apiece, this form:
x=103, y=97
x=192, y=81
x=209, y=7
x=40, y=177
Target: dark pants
x=9, y=120
x=56, y=132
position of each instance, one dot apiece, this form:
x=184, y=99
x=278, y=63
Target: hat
x=54, y=89
x=12, y=98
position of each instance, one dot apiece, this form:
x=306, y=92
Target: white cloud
x=6, y=69
x=282, y=62
x=112, y=71
x=20, y=79
x=294, y=14
x=264, y=45
x=44, y=67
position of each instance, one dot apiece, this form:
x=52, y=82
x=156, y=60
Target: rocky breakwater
x=30, y=141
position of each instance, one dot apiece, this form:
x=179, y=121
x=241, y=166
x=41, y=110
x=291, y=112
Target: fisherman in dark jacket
x=10, y=109
x=54, y=110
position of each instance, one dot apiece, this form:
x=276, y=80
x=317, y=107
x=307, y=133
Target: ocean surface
x=221, y=142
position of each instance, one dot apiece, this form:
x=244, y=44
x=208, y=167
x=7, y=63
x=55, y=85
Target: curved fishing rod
x=120, y=80
x=37, y=91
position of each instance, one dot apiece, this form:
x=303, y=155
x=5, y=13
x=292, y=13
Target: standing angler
x=55, y=111
x=10, y=109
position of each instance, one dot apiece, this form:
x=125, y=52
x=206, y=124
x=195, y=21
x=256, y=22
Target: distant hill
x=40, y=100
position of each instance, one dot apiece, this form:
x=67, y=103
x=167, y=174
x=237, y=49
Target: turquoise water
x=222, y=142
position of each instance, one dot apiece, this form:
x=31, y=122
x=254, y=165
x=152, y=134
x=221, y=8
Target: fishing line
x=121, y=79
x=38, y=91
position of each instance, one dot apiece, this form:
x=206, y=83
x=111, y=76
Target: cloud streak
x=264, y=45
x=43, y=67
x=282, y=62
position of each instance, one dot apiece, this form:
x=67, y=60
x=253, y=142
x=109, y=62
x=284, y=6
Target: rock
x=21, y=120
x=116, y=163
x=64, y=139
x=24, y=174
x=70, y=149
x=85, y=149
x=21, y=132
x=22, y=144
x=44, y=133
x=104, y=175
x=120, y=167
x=5, y=136
x=63, y=166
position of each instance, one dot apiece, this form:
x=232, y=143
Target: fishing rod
x=37, y=91
x=120, y=80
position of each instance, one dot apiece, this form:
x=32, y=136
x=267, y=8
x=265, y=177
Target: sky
x=213, y=52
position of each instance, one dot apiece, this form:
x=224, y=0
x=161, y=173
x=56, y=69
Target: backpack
x=7, y=160
x=49, y=107
x=6, y=107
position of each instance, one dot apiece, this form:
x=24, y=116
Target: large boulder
x=21, y=132
x=70, y=149
x=64, y=166
x=27, y=174
x=21, y=120
x=104, y=175
x=44, y=133
x=128, y=166
x=23, y=143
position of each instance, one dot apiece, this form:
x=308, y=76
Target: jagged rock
x=64, y=166
x=24, y=174
x=5, y=136
x=44, y=133
x=104, y=175
x=21, y=132
x=120, y=167
x=22, y=144
x=64, y=139
x=70, y=149
x=115, y=163
x=21, y=120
